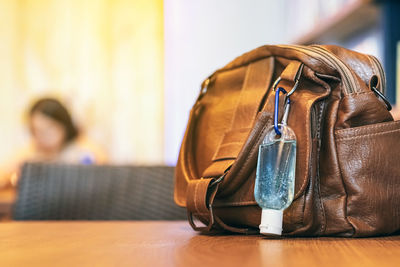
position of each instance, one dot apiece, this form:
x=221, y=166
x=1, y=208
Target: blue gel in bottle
x=275, y=178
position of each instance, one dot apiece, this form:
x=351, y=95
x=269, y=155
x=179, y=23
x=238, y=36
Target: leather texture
x=347, y=178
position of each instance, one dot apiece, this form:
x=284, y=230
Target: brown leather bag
x=347, y=177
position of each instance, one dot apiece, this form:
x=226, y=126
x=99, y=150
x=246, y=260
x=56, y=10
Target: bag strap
x=256, y=84
x=201, y=193
x=200, y=197
x=255, y=87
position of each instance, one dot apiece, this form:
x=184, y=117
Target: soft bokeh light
x=104, y=58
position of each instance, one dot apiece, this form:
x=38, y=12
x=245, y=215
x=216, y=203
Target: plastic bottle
x=275, y=178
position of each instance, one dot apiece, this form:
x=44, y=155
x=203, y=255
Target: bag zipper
x=327, y=57
x=332, y=60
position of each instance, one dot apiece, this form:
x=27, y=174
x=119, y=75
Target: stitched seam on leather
x=308, y=153
x=345, y=191
x=248, y=157
x=366, y=135
x=378, y=65
x=219, y=155
x=358, y=129
x=251, y=151
x=242, y=91
x=375, y=72
x=323, y=225
x=341, y=176
x=245, y=203
x=373, y=66
x=310, y=191
x=359, y=93
x=317, y=59
x=267, y=87
x=244, y=64
x=190, y=161
x=195, y=197
x=274, y=55
x=186, y=162
x=231, y=127
x=221, y=145
x=235, y=143
x=248, y=81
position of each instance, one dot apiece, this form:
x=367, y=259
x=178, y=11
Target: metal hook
x=276, y=110
x=287, y=99
x=293, y=89
x=384, y=99
x=297, y=80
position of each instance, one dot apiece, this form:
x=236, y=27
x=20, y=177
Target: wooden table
x=151, y=243
x=7, y=198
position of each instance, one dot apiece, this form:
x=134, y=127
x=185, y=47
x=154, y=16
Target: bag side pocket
x=370, y=168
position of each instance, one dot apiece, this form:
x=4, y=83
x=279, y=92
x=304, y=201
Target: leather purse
x=347, y=179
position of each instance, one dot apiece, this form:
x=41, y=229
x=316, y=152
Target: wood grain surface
x=7, y=199
x=151, y=243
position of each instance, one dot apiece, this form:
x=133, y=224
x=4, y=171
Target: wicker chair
x=88, y=192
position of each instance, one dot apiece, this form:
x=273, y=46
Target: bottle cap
x=271, y=222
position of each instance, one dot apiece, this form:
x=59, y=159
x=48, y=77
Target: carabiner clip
x=287, y=102
x=276, y=110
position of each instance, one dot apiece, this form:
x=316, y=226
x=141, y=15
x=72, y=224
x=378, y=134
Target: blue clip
x=287, y=99
x=276, y=115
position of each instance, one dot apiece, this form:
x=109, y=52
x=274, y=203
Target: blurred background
x=112, y=82
x=129, y=70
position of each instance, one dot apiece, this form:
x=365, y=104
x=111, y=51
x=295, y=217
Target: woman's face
x=48, y=134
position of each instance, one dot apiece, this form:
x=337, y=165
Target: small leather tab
x=200, y=197
x=217, y=168
x=231, y=144
x=292, y=71
x=196, y=196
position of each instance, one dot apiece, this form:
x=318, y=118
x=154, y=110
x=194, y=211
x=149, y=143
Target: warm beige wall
x=103, y=57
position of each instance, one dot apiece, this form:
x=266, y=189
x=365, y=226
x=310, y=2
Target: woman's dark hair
x=53, y=109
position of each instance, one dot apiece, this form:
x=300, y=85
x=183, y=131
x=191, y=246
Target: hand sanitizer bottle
x=275, y=177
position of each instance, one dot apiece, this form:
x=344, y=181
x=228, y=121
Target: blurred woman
x=55, y=138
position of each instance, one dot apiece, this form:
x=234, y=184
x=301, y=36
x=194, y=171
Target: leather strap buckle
x=200, y=203
x=205, y=190
x=201, y=194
